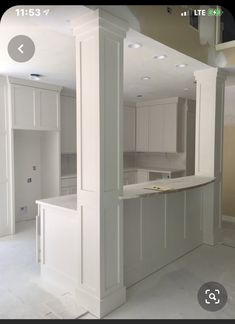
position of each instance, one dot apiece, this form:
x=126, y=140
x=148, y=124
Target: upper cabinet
x=23, y=107
x=49, y=104
x=142, y=120
x=159, y=125
x=128, y=129
x=68, y=124
x=34, y=105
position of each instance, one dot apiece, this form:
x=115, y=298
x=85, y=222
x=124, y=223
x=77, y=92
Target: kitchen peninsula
x=158, y=228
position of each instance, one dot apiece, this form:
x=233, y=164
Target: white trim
x=227, y=218
x=34, y=84
x=68, y=93
x=157, y=102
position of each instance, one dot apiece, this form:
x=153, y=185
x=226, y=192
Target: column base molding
x=104, y=306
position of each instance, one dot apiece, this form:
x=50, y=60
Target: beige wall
x=229, y=171
x=228, y=206
x=171, y=29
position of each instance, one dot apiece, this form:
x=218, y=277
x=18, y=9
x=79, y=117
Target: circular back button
x=21, y=48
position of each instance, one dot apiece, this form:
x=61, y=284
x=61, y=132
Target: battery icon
x=214, y=12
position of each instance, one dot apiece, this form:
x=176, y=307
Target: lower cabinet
x=68, y=186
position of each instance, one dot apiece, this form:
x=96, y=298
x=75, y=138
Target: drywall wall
x=26, y=155
x=228, y=205
x=40, y=151
x=164, y=160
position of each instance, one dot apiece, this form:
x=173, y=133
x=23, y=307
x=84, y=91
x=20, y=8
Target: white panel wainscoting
x=159, y=229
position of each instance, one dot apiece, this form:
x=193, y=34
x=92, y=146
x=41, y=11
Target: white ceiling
x=54, y=57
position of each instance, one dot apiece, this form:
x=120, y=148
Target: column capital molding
x=210, y=74
x=97, y=19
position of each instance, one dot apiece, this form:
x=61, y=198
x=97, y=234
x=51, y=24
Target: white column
x=209, y=146
x=99, y=74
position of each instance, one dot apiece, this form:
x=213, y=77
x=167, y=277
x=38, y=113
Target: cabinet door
x=156, y=128
x=23, y=107
x=142, y=129
x=49, y=110
x=170, y=128
x=129, y=129
x=68, y=125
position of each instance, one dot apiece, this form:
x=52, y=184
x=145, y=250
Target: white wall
x=40, y=149
x=27, y=154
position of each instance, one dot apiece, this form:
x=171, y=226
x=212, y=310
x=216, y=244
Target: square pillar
x=209, y=146
x=99, y=77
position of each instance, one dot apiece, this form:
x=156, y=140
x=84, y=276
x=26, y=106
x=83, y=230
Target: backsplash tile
x=68, y=164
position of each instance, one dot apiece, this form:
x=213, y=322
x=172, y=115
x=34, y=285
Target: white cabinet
x=23, y=107
x=68, y=124
x=34, y=105
x=159, y=126
x=156, y=129
x=68, y=185
x=142, y=129
x=49, y=109
x=128, y=129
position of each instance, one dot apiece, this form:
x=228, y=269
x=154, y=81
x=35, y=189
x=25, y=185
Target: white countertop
x=69, y=176
x=154, y=169
x=176, y=184
x=69, y=202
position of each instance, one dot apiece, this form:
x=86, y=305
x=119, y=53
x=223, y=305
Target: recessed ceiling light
x=145, y=78
x=182, y=65
x=186, y=89
x=34, y=76
x=135, y=45
x=139, y=96
x=160, y=57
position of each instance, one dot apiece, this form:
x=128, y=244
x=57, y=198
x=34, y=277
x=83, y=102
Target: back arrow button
x=20, y=48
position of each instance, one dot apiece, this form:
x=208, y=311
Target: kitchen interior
x=158, y=115
x=158, y=127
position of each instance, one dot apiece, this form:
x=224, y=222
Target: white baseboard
x=227, y=218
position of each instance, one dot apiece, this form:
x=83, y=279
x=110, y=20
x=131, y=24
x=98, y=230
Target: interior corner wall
x=26, y=155
x=228, y=205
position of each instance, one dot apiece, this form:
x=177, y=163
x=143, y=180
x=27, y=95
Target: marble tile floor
x=168, y=293
x=22, y=295
x=171, y=293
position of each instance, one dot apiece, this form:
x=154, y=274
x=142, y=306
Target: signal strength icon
x=185, y=13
